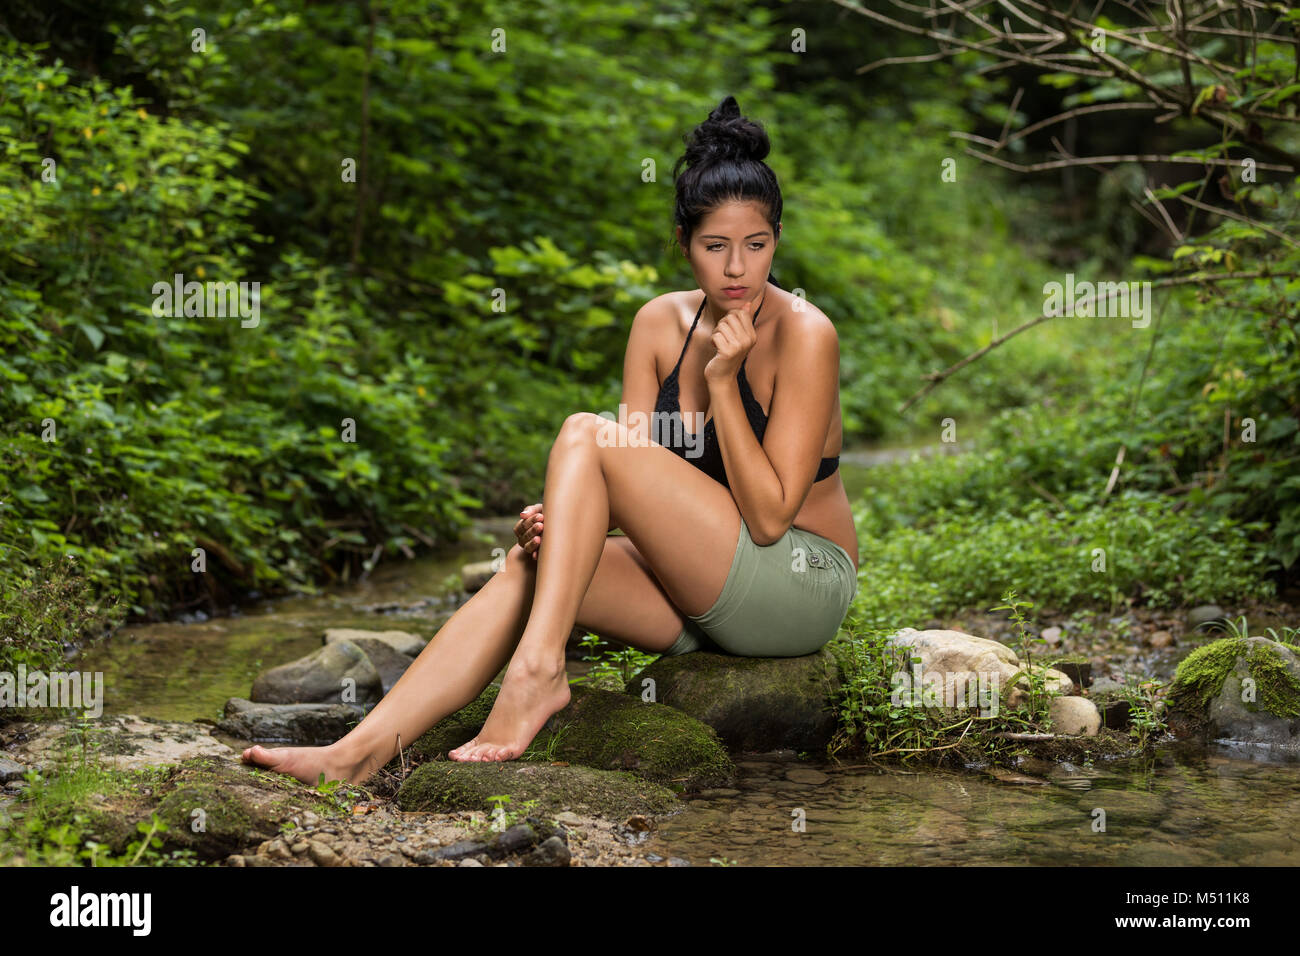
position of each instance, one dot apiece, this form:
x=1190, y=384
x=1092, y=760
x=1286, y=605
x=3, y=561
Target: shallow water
x=1182, y=807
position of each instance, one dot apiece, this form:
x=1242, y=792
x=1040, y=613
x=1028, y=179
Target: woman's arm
x=771, y=481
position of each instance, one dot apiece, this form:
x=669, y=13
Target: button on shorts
x=785, y=599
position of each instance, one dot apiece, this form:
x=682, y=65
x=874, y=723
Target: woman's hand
x=528, y=529
x=733, y=338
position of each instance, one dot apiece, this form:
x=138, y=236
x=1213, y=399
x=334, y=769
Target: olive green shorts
x=785, y=599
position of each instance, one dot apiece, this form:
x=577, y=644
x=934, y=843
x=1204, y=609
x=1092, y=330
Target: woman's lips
x=734, y=293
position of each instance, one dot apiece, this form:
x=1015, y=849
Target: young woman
x=742, y=543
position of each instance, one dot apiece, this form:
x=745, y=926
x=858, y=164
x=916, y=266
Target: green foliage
x=611, y=668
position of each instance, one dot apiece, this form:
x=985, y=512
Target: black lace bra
x=669, y=425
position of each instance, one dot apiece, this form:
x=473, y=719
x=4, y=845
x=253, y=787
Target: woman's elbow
x=764, y=534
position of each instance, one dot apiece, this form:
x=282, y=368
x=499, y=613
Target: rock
x=236, y=810
x=1074, y=716
x=318, y=678
x=753, y=703
x=962, y=660
x=124, y=741
x=1205, y=614
x=1106, y=685
x=1078, y=669
x=1052, y=635
x=568, y=817
x=1160, y=639
x=10, y=770
x=322, y=855
x=403, y=642
x=806, y=775
x=474, y=576
x=1113, y=707
x=606, y=731
x=451, y=785
x=391, y=664
x=469, y=862
x=511, y=841
x=550, y=852
x=311, y=724
x=1239, y=689
x=460, y=850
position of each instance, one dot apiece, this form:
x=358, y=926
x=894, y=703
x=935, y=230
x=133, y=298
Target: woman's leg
x=625, y=603
x=681, y=521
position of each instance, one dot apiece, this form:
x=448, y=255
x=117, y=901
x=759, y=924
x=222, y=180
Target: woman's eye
x=756, y=246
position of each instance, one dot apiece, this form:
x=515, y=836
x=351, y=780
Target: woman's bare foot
x=308, y=763
x=530, y=694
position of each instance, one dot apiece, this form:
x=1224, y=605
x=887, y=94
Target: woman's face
x=733, y=247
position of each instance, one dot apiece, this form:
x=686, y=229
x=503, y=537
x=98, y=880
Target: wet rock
x=403, y=642
x=1205, y=614
x=310, y=724
x=606, y=731
x=319, y=678
x=451, y=785
x=753, y=703
x=806, y=775
x=1239, y=689
x=959, y=660
x=10, y=770
x=1074, y=716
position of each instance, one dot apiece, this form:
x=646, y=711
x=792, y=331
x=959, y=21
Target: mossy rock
x=456, y=728
x=605, y=731
x=446, y=785
x=752, y=703
x=241, y=807
x=612, y=731
x=1239, y=688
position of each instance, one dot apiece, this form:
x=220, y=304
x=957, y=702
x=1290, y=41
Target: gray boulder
x=319, y=678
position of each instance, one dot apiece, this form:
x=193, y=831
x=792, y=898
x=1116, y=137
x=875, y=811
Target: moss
x=1200, y=675
x=449, y=785
x=612, y=731
x=606, y=731
x=1279, y=690
x=454, y=729
x=241, y=807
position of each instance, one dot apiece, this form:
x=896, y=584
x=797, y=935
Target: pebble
x=1162, y=639
x=469, y=861
x=322, y=855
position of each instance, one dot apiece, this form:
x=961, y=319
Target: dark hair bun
x=726, y=135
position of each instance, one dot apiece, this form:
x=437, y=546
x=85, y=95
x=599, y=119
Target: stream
x=1185, y=806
